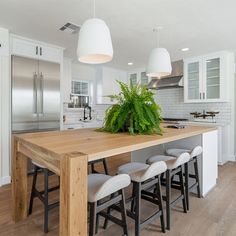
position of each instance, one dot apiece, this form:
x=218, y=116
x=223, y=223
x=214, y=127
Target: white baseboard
x=5, y=180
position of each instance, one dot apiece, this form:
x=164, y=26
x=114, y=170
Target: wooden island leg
x=19, y=185
x=73, y=195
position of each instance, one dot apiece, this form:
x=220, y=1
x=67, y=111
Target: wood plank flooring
x=214, y=215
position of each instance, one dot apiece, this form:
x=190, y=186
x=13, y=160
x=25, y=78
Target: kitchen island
x=67, y=154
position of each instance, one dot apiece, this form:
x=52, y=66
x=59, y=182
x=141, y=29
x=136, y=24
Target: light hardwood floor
x=214, y=215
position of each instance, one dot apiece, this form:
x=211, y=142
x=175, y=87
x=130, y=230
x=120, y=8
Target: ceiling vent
x=70, y=28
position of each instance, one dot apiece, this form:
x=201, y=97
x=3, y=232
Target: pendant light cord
x=158, y=38
x=157, y=31
x=94, y=9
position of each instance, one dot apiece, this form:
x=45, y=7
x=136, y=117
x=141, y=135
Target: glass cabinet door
x=144, y=78
x=134, y=78
x=212, y=83
x=193, y=80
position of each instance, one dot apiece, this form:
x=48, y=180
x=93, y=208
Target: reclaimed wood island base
x=67, y=154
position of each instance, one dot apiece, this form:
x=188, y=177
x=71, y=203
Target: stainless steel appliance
x=35, y=95
x=174, y=80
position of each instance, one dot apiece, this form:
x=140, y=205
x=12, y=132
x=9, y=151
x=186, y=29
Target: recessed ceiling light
x=130, y=63
x=185, y=49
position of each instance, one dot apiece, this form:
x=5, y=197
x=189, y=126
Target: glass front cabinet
x=207, y=78
x=138, y=76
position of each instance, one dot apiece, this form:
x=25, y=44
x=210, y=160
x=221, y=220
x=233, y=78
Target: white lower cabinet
x=83, y=125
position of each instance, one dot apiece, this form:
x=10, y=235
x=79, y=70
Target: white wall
x=81, y=71
x=5, y=111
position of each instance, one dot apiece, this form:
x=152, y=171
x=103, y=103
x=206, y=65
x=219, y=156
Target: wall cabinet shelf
x=207, y=78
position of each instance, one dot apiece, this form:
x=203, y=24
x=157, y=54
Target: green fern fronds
x=135, y=111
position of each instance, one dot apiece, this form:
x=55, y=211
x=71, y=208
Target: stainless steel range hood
x=175, y=80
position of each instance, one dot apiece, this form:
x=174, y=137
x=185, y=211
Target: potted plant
x=135, y=111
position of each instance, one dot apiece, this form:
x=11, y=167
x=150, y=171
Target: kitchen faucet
x=90, y=111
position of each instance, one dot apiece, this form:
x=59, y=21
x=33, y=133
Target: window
x=144, y=78
x=80, y=94
x=80, y=88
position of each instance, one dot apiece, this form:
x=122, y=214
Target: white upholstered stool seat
x=101, y=186
x=178, y=151
x=39, y=165
x=157, y=158
x=140, y=172
x=170, y=161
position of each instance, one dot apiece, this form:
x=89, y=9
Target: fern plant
x=135, y=112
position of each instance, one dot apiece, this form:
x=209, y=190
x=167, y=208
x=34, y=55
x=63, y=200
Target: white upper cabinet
x=106, y=84
x=207, y=78
x=4, y=42
x=138, y=76
x=34, y=49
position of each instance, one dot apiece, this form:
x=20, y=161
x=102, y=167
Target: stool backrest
x=153, y=170
x=196, y=151
x=179, y=161
x=113, y=185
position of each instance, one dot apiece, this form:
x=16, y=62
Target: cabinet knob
x=41, y=51
x=37, y=50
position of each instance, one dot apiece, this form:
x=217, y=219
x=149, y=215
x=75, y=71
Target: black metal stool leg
x=181, y=178
x=168, y=198
x=159, y=195
x=93, y=168
x=105, y=166
x=133, y=200
x=33, y=189
x=137, y=208
x=186, y=172
x=197, y=177
x=92, y=219
x=123, y=213
x=45, y=200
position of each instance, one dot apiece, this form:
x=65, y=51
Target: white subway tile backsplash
x=172, y=103
x=173, y=106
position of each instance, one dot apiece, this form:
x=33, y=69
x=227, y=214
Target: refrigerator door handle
x=35, y=94
x=41, y=93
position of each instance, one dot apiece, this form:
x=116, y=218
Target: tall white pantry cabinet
x=4, y=106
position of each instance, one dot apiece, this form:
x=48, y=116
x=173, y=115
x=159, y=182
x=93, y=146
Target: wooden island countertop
x=98, y=144
x=67, y=153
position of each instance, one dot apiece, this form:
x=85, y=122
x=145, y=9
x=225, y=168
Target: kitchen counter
x=67, y=153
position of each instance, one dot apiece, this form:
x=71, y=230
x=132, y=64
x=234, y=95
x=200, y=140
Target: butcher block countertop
x=96, y=144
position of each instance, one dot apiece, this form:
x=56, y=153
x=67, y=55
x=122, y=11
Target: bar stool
x=103, y=192
x=93, y=163
x=145, y=177
x=42, y=195
x=174, y=168
x=194, y=154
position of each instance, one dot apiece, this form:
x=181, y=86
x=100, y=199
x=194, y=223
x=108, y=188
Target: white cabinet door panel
x=25, y=48
x=50, y=54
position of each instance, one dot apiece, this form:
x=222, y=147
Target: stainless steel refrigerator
x=35, y=95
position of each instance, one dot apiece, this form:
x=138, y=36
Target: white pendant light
x=159, y=63
x=94, y=43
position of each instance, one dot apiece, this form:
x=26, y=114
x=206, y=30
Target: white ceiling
x=202, y=25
